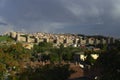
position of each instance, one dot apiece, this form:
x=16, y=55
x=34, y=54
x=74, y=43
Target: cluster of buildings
x=57, y=39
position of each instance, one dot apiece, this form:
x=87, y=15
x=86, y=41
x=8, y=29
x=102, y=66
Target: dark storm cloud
x=1, y=23
x=75, y=16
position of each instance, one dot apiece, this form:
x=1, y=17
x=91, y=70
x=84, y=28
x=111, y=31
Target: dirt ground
x=78, y=72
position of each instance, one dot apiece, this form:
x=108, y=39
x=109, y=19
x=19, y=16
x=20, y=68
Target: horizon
x=89, y=35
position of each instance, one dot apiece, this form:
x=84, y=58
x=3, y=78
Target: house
x=79, y=56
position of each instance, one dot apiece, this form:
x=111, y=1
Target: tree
x=108, y=65
x=10, y=58
x=68, y=53
x=41, y=51
x=47, y=72
x=2, y=70
x=60, y=52
x=53, y=57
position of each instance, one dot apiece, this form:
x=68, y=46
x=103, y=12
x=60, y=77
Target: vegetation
x=15, y=61
x=110, y=64
x=54, y=54
x=47, y=72
x=5, y=38
x=14, y=58
x=107, y=67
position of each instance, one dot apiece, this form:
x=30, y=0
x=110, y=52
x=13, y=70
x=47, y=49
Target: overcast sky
x=91, y=17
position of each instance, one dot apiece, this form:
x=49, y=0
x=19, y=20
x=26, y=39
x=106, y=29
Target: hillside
x=5, y=38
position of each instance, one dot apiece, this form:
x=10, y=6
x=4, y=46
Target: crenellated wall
x=59, y=38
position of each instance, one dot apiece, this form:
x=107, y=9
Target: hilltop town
x=74, y=40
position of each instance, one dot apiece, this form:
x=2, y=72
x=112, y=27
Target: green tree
x=54, y=58
x=68, y=53
x=60, y=52
x=47, y=72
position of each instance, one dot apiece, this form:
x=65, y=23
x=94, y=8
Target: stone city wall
x=59, y=38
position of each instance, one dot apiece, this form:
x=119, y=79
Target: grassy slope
x=5, y=38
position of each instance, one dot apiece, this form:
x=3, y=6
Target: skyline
x=89, y=17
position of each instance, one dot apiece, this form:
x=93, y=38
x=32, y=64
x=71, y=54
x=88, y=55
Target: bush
x=49, y=72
